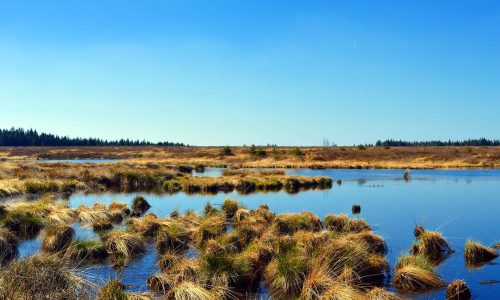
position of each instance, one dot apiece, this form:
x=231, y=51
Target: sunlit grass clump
x=42, y=277
x=458, y=290
x=56, y=238
x=431, y=244
x=477, y=254
x=85, y=250
x=415, y=273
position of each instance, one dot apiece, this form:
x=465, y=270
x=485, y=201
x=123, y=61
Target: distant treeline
x=469, y=142
x=21, y=137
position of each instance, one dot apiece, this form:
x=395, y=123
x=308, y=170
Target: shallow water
x=461, y=204
x=82, y=161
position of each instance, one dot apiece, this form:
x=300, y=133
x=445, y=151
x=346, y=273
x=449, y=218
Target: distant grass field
x=333, y=157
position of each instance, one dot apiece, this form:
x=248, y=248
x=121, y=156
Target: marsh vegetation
x=238, y=251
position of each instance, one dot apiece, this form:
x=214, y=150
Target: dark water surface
x=462, y=204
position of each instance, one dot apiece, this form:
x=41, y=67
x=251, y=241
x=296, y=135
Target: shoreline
x=439, y=158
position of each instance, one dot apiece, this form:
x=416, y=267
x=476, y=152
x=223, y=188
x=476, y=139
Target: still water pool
x=462, y=204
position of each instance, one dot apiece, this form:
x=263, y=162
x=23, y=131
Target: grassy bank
x=331, y=157
x=37, y=178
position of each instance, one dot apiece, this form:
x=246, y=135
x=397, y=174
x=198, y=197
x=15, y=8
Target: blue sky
x=241, y=72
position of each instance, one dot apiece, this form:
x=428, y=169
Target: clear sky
x=241, y=72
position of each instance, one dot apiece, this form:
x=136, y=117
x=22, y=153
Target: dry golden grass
x=57, y=238
x=477, y=254
x=414, y=273
x=431, y=244
x=124, y=243
x=381, y=294
x=338, y=157
x=458, y=290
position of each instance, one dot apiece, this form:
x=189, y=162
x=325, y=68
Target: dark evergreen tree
x=30, y=137
x=469, y=142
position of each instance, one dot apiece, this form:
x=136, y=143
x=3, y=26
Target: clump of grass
x=82, y=250
x=172, y=186
x=61, y=215
x=381, y=294
x=458, y=290
x=477, y=254
x=185, y=169
x=172, y=235
x=119, y=206
x=24, y=224
x=341, y=291
x=88, y=216
x=146, y=226
x=210, y=228
x=431, y=244
x=168, y=259
x=286, y=272
x=311, y=241
x=317, y=282
x=124, y=244
x=40, y=188
x=209, y=210
x=374, y=243
x=102, y=226
x=70, y=186
x=291, y=223
x=42, y=277
x=414, y=273
x=190, y=290
x=113, y=290
x=230, y=206
x=180, y=271
x=8, y=246
x=57, y=238
x=336, y=223
x=140, y=204
x=199, y=168
x=356, y=226
x=364, y=267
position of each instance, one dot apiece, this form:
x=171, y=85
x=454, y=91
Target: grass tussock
x=477, y=254
x=88, y=216
x=56, y=238
x=341, y=224
x=113, y=290
x=381, y=294
x=8, y=246
x=172, y=236
x=291, y=223
x=458, y=290
x=230, y=206
x=140, y=204
x=415, y=273
x=146, y=226
x=24, y=224
x=431, y=244
x=124, y=244
x=86, y=250
x=42, y=277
